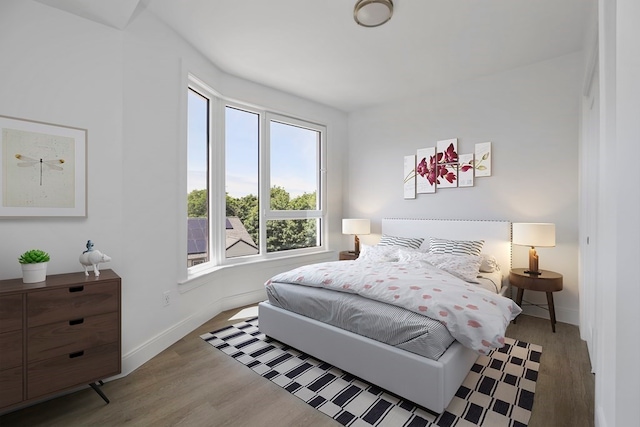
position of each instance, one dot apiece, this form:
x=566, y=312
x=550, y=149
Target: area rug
x=498, y=391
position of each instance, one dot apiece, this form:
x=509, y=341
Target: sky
x=293, y=160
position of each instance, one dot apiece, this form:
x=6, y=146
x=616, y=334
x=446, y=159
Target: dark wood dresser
x=57, y=335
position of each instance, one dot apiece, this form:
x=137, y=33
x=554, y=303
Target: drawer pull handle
x=76, y=354
x=76, y=289
x=76, y=322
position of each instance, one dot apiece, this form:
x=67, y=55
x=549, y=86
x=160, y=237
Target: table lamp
x=356, y=226
x=532, y=235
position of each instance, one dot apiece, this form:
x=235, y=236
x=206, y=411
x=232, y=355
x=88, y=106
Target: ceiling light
x=371, y=13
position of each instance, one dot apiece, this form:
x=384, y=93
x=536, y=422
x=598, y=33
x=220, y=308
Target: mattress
x=491, y=281
x=380, y=321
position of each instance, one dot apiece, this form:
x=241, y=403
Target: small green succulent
x=33, y=256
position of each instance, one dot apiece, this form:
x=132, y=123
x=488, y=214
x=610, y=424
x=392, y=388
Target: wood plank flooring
x=193, y=384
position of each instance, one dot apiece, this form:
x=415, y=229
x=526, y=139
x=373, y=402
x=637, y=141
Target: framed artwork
x=441, y=166
x=465, y=170
x=448, y=151
x=42, y=169
x=426, y=170
x=410, y=177
x=483, y=159
x=448, y=175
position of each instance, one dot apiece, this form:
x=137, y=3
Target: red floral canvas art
x=426, y=170
x=447, y=151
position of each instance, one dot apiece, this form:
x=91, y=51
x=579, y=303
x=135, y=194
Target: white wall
x=628, y=212
x=617, y=372
x=531, y=116
x=126, y=88
x=58, y=68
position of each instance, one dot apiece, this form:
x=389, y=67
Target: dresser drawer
x=11, y=386
x=70, y=370
x=66, y=337
x=73, y=302
x=11, y=349
x=10, y=313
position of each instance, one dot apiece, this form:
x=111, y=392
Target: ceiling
x=314, y=49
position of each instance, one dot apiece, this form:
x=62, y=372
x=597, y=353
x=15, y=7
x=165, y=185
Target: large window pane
x=242, y=225
x=267, y=167
x=287, y=234
x=197, y=179
x=294, y=153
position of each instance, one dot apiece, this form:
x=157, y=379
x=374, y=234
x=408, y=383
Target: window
x=267, y=182
x=242, y=177
x=198, y=109
x=294, y=217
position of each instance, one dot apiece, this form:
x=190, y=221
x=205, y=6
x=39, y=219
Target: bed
x=422, y=380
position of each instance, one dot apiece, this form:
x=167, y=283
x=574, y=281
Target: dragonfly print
x=52, y=164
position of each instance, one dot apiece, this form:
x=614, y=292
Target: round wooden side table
x=547, y=282
x=347, y=256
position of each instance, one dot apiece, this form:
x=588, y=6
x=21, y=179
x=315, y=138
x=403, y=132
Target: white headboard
x=496, y=234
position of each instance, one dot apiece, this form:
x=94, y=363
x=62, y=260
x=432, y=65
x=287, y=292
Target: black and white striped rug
x=497, y=392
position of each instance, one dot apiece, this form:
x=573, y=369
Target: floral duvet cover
x=474, y=316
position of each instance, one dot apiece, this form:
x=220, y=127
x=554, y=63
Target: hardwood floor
x=192, y=384
x=565, y=387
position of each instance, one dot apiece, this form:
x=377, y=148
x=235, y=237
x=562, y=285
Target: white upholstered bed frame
x=429, y=383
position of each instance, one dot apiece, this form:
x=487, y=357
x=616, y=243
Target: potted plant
x=34, y=265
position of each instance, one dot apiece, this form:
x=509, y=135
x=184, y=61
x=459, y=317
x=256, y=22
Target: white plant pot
x=34, y=273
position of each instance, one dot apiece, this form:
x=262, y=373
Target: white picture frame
x=42, y=169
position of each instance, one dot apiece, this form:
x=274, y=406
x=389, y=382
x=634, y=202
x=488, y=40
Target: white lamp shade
x=356, y=226
x=534, y=234
x=371, y=13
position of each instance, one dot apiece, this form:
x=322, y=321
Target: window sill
x=199, y=278
x=207, y=275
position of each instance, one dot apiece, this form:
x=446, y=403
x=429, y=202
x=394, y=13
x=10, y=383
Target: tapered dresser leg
x=95, y=387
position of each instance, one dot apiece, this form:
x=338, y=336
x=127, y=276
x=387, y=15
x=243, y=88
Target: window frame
x=267, y=213
x=217, y=181
x=210, y=105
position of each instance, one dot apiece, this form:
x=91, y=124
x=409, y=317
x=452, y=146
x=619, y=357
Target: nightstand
x=547, y=282
x=348, y=256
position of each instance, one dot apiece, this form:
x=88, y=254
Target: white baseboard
x=154, y=346
x=144, y=352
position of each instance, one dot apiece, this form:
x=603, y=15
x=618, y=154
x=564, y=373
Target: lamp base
x=534, y=273
x=533, y=262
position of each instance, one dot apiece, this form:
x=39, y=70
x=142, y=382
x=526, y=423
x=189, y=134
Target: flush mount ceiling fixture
x=372, y=13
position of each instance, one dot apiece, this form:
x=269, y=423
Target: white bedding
x=475, y=317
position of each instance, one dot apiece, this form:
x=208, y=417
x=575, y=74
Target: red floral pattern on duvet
x=475, y=317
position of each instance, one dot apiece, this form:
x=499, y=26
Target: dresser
x=58, y=335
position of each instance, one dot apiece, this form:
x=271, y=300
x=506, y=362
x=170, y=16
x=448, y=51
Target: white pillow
x=466, y=267
x=488, y=264
x=408, y=255
x=378, y=253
